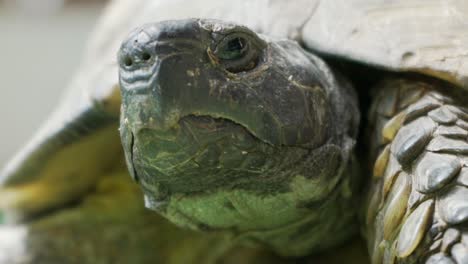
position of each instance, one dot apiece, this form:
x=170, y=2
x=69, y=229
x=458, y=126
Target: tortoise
x=246, y=136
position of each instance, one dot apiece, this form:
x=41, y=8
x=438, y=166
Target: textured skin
x=264, y=153
x=417, y=209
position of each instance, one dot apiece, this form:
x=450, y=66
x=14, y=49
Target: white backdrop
x=38, y=56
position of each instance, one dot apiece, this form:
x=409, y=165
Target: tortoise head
x=219, y=124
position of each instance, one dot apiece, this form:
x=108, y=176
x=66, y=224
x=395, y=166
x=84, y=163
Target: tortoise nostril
x=128, y=61
x=146, y=56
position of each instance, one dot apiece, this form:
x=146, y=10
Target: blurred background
x=41, y=42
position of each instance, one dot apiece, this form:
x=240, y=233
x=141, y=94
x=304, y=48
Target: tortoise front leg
x=417, y=207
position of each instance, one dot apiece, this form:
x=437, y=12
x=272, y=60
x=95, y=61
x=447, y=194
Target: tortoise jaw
x=179, y=156
x=142, y=113
x=158, y=186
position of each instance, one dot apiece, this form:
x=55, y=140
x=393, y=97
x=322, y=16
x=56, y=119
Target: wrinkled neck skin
x=264, y=152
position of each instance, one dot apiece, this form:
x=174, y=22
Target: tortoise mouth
x=207, y=122
x=179, y=157
x=213, y=124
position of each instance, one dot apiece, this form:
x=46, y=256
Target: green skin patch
x=225, y=130
x=283, y=224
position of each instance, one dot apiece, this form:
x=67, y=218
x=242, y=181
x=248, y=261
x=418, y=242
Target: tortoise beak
x=128, y=140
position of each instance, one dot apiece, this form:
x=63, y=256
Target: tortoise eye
x=237, y=53
x=233, y=49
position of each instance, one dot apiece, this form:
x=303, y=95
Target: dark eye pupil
x=235, y=44
x=233, y=49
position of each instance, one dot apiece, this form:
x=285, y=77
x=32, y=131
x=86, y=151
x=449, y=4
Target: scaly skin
x=417, y=209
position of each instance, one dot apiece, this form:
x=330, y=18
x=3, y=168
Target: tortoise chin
x=226, y=130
